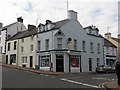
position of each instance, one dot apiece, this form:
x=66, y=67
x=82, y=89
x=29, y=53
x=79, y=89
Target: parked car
x=105, y=69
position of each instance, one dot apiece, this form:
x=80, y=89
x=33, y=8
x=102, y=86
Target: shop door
x=59, y=63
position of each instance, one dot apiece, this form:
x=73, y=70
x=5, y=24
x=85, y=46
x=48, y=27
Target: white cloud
x=101, y=13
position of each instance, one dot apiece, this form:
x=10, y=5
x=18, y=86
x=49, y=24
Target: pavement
x=110, y=85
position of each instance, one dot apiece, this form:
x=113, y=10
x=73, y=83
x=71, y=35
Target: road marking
x=80, y=83
x=100, y=78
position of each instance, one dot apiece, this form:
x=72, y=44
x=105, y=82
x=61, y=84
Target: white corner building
x=65, y=46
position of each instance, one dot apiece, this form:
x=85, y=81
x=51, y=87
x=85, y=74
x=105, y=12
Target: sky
x=101, y=13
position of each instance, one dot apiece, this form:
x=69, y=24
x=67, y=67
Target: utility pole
x=67, y=7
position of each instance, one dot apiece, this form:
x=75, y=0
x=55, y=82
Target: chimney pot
x=72, y=15
x=19, y=19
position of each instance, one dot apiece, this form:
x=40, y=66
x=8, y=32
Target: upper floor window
x=38, y=45
x=75, y=44
x=22, y=39
x=107, y=50
x=22, y=49
x=32, y=37
x=84, y=45
x=8, y=46
x=31, y=47
x=91, y=47
x=98, y=48
x=0, y=39
x=15, y=45
x=46, y=44
x=59, y=43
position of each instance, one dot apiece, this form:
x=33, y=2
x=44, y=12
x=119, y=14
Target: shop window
x=74, y=61
x=45, y=61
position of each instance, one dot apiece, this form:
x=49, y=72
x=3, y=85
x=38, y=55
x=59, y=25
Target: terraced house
x=8, y=31
x=21, y=48
x=65, y=46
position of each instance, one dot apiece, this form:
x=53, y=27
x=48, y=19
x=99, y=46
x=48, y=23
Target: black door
x=31, y=61
x=59, y=63
x=6, y=59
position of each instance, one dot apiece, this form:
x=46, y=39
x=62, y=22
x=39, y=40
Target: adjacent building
x=68, y=47
x=21, y=48
x=115, y=41
x=110, y=54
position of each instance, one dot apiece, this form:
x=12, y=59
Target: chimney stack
x=19, y=19
x=72, y=15
x=1, y=24
x=108, y=35
x=31, y=27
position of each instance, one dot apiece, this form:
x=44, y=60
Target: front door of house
x=59, y=63
x=6, y=59
x=31, y=61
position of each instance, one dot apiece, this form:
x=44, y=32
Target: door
x=90, y=64
x=59, y=63
x=6, y=59
x=31, y=61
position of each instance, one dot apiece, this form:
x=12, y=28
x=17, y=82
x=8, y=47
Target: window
x=8, y=46
x=98, y=61
x=22, y=49
x=24, y=60
x=75, y=44
x=47, y=44
x=45, y=61
x=31, y=47
x=91, y=47
x=32, y=37
x=59, y=43
x=107, y=50
x=98, y=48
x=83, y=46
x=22, y=39
x=113, y=51
x=90, y=64
x=15, y=45
x=0, y=39
x=38, y=45
x=74, y=61
x=13, y=58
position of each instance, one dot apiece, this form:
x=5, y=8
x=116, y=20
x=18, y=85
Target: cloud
x=101, y=13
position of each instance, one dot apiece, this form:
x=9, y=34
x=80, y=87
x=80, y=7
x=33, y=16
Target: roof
x=108, y=43
x=116, y=39
x=61, y=23
x=7, y=26
x=23, y=34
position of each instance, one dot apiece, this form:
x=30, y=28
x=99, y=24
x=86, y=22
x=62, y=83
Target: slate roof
x=61, y=23
x=116, y=39
x=108, y=43
x=7, y=26
x=23, y=34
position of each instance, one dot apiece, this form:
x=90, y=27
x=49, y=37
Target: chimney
x=118, y=36
x=72, y=15
x=108, y=35
x=49, y=25
x=1, y=24
x=19, y=19
x=31, y=27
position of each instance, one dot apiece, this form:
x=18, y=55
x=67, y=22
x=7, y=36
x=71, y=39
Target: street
x=13, y=78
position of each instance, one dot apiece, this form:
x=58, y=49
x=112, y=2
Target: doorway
x=6, y=59
x=31, y=61
x=59, y=63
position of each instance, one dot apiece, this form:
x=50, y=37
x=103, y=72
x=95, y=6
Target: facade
x=65, y=46
x=110, y=54
x=115, y=41
x=21, y=48
x=8, y=31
